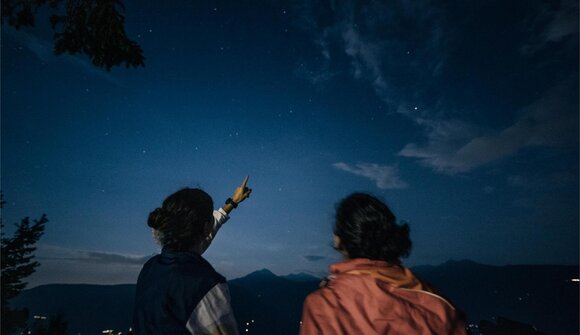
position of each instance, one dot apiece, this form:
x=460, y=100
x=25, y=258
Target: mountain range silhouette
x=542, y=296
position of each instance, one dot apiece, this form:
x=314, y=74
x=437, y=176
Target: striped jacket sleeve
x=213, y=314
x=219, y=218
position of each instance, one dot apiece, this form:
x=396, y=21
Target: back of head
x=367, y=229
x=182, y=221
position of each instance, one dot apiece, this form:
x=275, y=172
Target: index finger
x=245, y=182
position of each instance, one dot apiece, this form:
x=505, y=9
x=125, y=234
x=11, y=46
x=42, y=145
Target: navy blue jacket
x=169, y=288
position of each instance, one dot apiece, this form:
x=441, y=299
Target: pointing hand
x=242, y=192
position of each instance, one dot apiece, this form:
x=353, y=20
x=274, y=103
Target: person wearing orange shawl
x=370, y=291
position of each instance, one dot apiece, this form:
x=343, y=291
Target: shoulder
x=148, y=267
x=181, y=272
x=328, y=295
x=192, y=279
x=151, y=260
x=188, y=264
x=339, y=288
x=199, y=268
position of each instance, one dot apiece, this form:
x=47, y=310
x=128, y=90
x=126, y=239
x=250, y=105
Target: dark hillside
x=539, y=295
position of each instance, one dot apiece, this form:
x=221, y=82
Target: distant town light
x=576, y=280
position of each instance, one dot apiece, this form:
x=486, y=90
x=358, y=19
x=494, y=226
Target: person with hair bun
x=178, y=291
x=370, y=291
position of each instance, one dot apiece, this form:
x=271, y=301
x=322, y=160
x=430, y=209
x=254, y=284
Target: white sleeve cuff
x=220, y=216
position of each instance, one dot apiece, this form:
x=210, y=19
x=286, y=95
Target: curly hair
x=180, y=223
x=367, y=229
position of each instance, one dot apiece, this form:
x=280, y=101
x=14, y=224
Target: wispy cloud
x=403, y=50
x=385, y=176
x=318, y=77
x=65, y=265
x=488, y=189
x=313, y=258
x=517, y=181
x=376, y=41
x=540, y=183
x=548, y=121
x=50, y=252
x=40, y=47
x=556, y=21
x=94, y=257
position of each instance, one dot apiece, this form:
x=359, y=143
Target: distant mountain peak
x=261, y=273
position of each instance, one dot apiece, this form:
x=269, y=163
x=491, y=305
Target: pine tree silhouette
x=17, y=263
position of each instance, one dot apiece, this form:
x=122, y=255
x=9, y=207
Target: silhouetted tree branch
x=95, y=28
x=17, y=263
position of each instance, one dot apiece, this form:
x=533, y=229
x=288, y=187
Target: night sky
x=461, y=115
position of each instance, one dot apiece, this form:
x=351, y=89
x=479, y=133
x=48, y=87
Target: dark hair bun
x=389, y=241
x=368, y=229
x=156, y=218
x=180, y=223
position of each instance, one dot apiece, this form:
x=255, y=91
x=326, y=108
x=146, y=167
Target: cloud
x=317, y=77
x=41, y=48
x=112, y=258
x=549, y=121
x=314, y=258
x=50, y=253
x=382, y=41
x=541, y=183
x=385, y=176
x=488, y=189
x=411, y=55
x=64, y=265
x=556, y=22
x=517, y=181
x=365, y=62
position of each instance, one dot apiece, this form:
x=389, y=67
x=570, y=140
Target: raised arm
x=221, y=215
x=241, y=193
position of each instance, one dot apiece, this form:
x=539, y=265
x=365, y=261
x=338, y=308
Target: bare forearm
x=228, y=208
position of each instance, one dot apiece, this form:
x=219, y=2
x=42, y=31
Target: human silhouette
x=178, y=291
x=370, y=291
